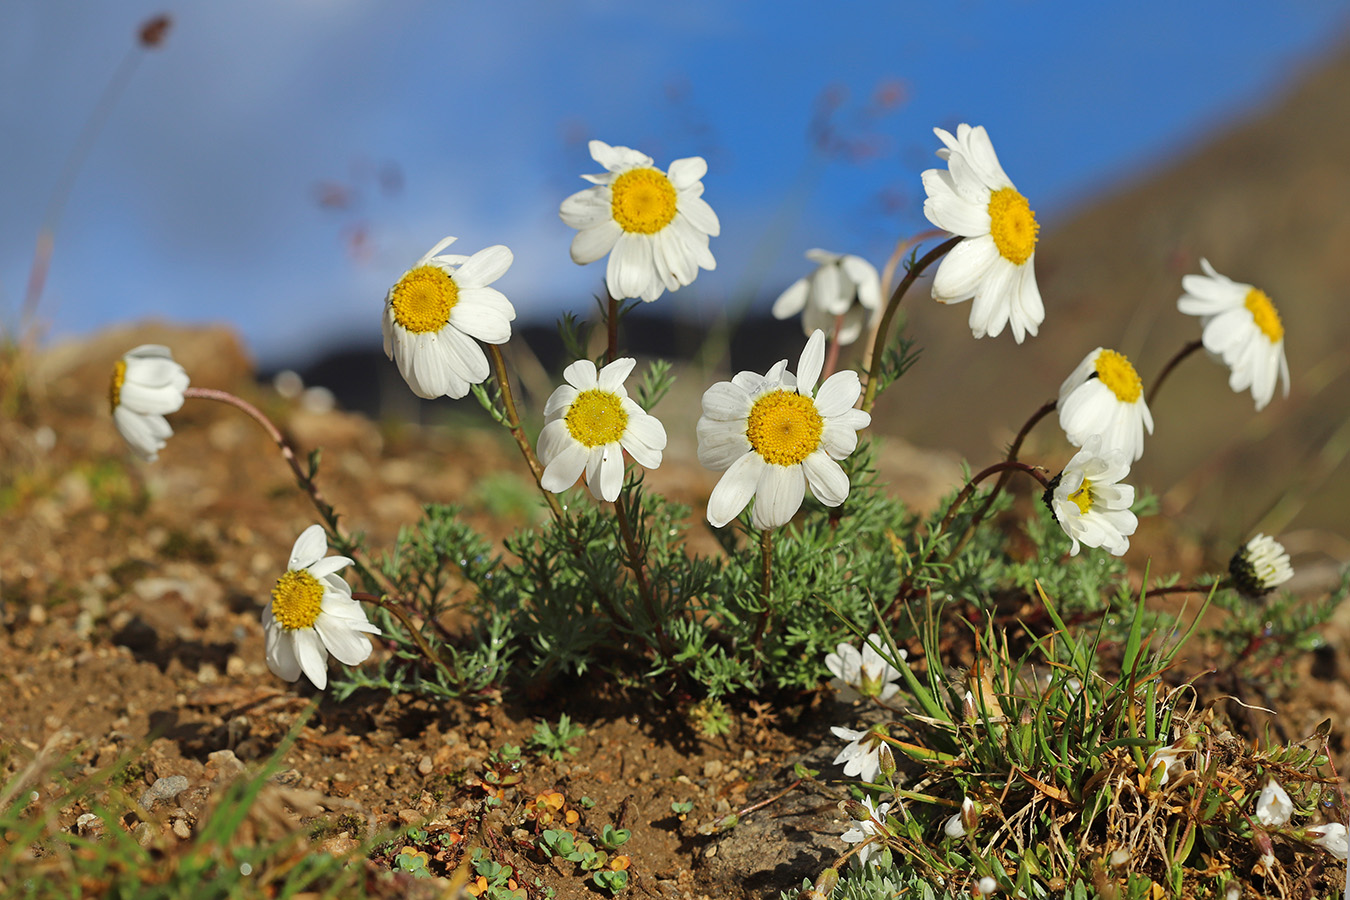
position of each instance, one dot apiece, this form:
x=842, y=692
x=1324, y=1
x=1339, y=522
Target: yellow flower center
x=1083, y=497
x=1264, y=314
x=1012, y=225
x=596, y=418
x=644, y=201
x=296, y=600
x=423, y=298
x=784, y=427
x=115, y=389
x=1116, y=373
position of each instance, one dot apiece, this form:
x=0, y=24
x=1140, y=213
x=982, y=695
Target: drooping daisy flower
x=146, y=386
x=1241, y=327
x=869, y=825
x=1168, y=758
x=1273, y=807
x=588, y=423
x=844, y=285
x=1090, y=504
x=774, y=434
x=433, y=314
x=1260, y=567
x=862, y=757
x=867, y=672
x=654, y=226
x=1105, y=396
x=1331, y=837
x=975, y=199
x=964, y=821
x=312, y=614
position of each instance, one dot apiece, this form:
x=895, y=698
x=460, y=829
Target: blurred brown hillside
x=1267, y=203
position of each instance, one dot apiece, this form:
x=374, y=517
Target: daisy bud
x=886, y=760
x=1260, y=567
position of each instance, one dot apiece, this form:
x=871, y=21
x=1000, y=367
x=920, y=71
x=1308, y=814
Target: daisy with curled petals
x=312, y=614
x=869, y=829
x=146, y=385
x=654, y=226
x=588, y=423
x=867, y=672
x=1105, y=396
x=1240, y=326
x=976, y=200
x=842, y=285
x=1260, y=566
x=774, y=434
x=434, y=313
x=862, y=757
x=1090, y=504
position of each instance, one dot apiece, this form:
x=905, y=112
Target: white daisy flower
x=312, y=614
x=433, y=314
x=871, y=825
x=146, y=385
x=1332, y=837
x=862, y=757
x=1260, y=567
x=773, y=434
x=975, y=199
x=1273, y=807
x=1168, y=758
x=842, y=285
x=867, y=672
x=655, y=227
x=1090, y=504
x=588, y=423
x=1241, y=327
x=964, y=821
x=1105, y=396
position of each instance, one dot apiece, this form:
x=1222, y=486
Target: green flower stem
x=396, y=610
x=1013, y=449
x=765, y=584
x=1189, y=588
x=914, y=751
x=305, y=479
x=883, y=330
x=612, y=330
x=1172, y=363
x=513, y=423
x=1009, y=466
x=637, y=565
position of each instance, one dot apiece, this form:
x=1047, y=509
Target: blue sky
x=278, y=163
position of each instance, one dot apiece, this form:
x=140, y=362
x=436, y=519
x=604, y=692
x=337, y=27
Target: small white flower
x=841, y=285
x=975, y=199
x=867, y=672
x=1240, y=326
x=312, y=614
x=1167, y=757
x=958, y=825
x=774, y=434
x=1105, y=396
x=654, y=226
x=146, y=386
x=1090, y=504
x=434, y=313
x=865, y=829
x=987, y=887
x=1331, y=837
x=1273, y=807
x=862, y=757
x=589, y=422
x=1260, y=567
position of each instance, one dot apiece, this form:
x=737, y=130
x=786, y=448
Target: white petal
x=566, y=468
x=828, y=482
x=778, y=495
x=581, y=375
x=310, y=547
x=612, y=376
x=792, y=300
x=685, y=172
x=348, y=645
x=591, y=243
x=312, y=655
x=734, y=489
x=810, y=364
x=484, y=267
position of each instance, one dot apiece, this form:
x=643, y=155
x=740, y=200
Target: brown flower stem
x=1013, y=449
x=637, y=565
x=765, y=584
x=396, y=610
x=517, y=432
x=612, y=329
x=1186, y=588
x=883, y=330
x=832, y=354
x=1006, y=466
x=1181, y=354
x=305, y=479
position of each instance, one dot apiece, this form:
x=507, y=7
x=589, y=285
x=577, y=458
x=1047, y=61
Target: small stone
x=425, y=765
x=89, y=825
x=164, y=789
x=712, y=768
x=223, y=765
x=181, y=829
x=409, y=816
x=710, y=852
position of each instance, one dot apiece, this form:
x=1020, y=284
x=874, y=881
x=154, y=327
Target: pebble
x=181, y=829
x=222, y=765
x=165, y=788
x=89, y=825
x=712, y=768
